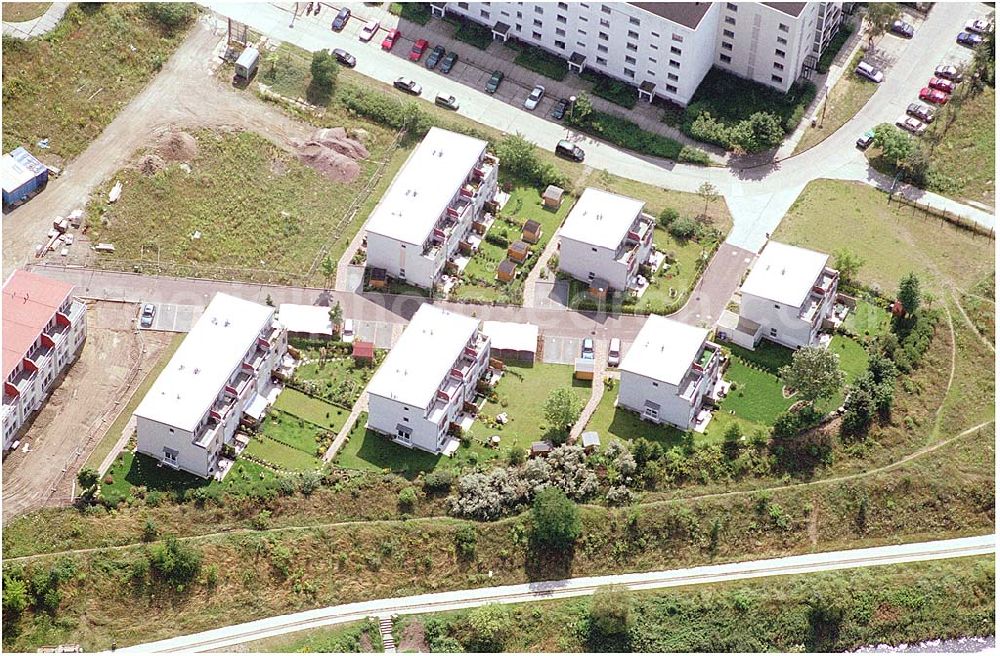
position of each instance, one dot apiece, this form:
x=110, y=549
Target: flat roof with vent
x=664, y=350
x=423, y=356
x=784, y=274
x=601, y=218
x=425, y=186
x=202, y=365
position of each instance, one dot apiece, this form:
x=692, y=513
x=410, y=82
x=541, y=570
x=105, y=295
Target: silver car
x=534, y=97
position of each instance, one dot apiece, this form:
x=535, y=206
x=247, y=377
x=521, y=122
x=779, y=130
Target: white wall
x=634, y=390
x=579, y=259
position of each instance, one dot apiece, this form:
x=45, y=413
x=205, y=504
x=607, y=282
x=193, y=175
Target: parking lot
x=171, y=317
x=379, y=332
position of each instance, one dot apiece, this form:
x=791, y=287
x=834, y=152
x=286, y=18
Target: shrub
x=407, y=498
x=324, y=70
x=610, y=617
x=465, y=541
x=683, y=228
x=692, y=155
x=438, y=481
x=541, y=61
x=517, y=456
x=792, y=422
x=611, y=89
x=310, y=482
x=490, y=627
x=625, y=133
x=170, y=14
x=15, y=597
x=175, y=562
x=149, y=530
x=668, y=216
x=555, y=519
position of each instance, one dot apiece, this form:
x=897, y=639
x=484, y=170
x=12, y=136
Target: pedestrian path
x=36, y=26
x=596, y=390
x=385, y=628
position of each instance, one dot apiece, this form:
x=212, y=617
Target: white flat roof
x=601, y=218
x=202, y=365
x=425, y=186
x=664, y=350
x=14, y=173
x=784, y=274
x=508, y=336
x=423, y=356
x=312, y=319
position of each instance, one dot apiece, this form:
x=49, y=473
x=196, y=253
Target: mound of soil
x=332, y=153
x=178, y=146
x=151, y=164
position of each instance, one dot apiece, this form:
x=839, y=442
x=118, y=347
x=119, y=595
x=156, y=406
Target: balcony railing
x=207, y=433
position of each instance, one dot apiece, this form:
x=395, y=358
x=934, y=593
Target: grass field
x=279, y=454
x=756, y=395
x=16, y=12
x=843, y=102
x=95, y=61
x=311, y=409
x=965, y=160
x=114, y=432
x=351, y=638
x=133, y=470
x=611, y=421
x=892, y=241
x=867, y=319
x=367, y=450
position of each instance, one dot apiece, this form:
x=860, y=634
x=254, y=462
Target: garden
x=328, y=371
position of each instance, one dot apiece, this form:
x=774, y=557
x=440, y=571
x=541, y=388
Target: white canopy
x=308, y=319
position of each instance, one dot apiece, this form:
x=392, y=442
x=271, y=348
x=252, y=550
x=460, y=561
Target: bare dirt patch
x=332, y=153
x=178, y=146
x=413, y=639
x=151, y=164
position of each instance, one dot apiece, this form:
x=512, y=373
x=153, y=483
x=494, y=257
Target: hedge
x=540, y=61
x=612, y=90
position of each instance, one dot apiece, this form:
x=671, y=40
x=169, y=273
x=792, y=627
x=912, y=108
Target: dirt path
x=185, y=94
x=955, y=293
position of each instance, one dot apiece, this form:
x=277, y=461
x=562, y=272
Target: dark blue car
x=340, y=22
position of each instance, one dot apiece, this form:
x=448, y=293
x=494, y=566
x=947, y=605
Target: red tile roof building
x=43, y=330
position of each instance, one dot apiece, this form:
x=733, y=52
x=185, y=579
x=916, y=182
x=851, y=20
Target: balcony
x=810, y=311
x=706, y=359
x=641, y=231
x=74, y=315
x=256, y=360
x=237, y=387
x=269, y=338
x=221, y=409
x=207, y=433
x=826, y=282
x=41, y=357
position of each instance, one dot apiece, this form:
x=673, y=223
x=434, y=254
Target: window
x=650, y=73
x=601, y=48
x=560, y=19
x=485, y=13
x=671, y=88
x=633, y=35
x=537, y=36
x=561, y=45
x=562, y=5
x=732, y=7
x=774, y=332
x=463, y=5
x=726, y=45
x=654, y=35
x=605, y=9
x=652, y=411
x=560, y=31
x=520, y=15
x=782, y=27
x=605, y=22
x=582, y=32
x=674, y=63
x=777, y=78
x=779, y=67
x=653, y=46
x=782, y=41
x=633, y=20
x=672, y=77
x=603, y=36
x=537, y=23
x=631, y=46
x=517, y=28
x=505, y=14
x=730, y=20
x=675, y=50
x=539, y=10
x=581, y=44
x=629, y=60
x=728, y=34
x=601, y=61
x=780, y=53
x=777, y=307
x=402, y=273
x=726, y=59
x=583, y=19
x=629, y=73
x=652, y=61
x=677, y=37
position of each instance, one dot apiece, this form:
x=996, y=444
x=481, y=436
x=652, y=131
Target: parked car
x=407, y=85
x=615, y=352
x=570, y=150
x=369, y=30
x=588, y=348
x=933, y=95
x=340, y=20
x=535, y=97
x=417, y=51
x=446, y=101
x=559, y=109
x=921, y=111
x=344, y=57
x=968, y=39
x=948, y=72
x=865, y=140
x=902, y=28
x=449, y=62
x=979, y=26
x=494, y=82
x=347, y=333
x=390, y=39
x=911, y=124
x=869, y=72
x=435, y=57
x=148, y=312
x=942, y=84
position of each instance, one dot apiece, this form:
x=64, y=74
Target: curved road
x=216, y=639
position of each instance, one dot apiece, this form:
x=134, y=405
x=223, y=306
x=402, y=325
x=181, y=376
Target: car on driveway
x=344, y=57
x=615, y=352
x=570, y=150
x=979, y=26
x=911, y=124
x=942, y=84
x=869, y=72
x=902, y=28
x=446, y=100
x=417, y=51
x=494, y=82
x=340, y=20
x=588, y=348
x=948, y=72
x=535, y=97
x=449, y=62
x=865, y=140
x=559, y=109
x=933, y=96
x=369, y=30
x=407, y=85
x=921, y=111
x=148, y=312
x=390, y=39
x=435, y=57
x=968, y=39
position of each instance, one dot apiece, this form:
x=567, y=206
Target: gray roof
x=789, y=8
x=688, y=14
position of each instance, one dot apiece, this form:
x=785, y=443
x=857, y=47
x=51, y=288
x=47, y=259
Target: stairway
x=385, y=628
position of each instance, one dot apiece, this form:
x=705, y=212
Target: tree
x=328, y=266
x=407, y=499
x=490, y=627
x=983, y=68
x=762, y=130
x=732, y=440
x=859, y=410
x=880, y=17
x=909, y=293
x=580, y=111
x=917, y=164
x=895, y=144
x=518, y=156
x=814, y=373
x=555, y=519
x=610, y=616
x=170, y=14
x=848, y=263
x=683, y=228
x=324, y=71
x=708, y=193
x=668, y=216
x=562, y=409
x=336, y=317
x=87, y=478
x=176, y=562
x=15, y=597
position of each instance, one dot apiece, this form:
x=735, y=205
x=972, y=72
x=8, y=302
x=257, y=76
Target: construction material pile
x=332, y=153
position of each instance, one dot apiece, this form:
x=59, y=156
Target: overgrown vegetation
x=611, y=89
x=538, y=60
x=622, y=132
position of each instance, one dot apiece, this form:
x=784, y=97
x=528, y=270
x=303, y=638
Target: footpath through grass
x=842, y=103
x=964, y=163
x=68, y=85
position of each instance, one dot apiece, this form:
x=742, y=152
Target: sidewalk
x=37, y=26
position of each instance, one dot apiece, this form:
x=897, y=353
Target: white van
x=615, y=352
x=869, y=72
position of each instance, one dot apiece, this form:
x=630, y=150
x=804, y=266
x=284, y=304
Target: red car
x=390, y=39
x=417, y=51
x=934, y=96
x=942, y=84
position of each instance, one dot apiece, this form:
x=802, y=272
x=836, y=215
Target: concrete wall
x=634, y=390
x=579, y=259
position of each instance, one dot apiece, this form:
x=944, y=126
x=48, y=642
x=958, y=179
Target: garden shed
x=583, y=369
x=531, y=232
x=519, y=251
x=246, y=65
x=590, y=441
x=363, y=352
x=506, y=271
x=23, y=175
x=552, y=197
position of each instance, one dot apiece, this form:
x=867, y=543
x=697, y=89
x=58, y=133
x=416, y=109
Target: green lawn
x=522, y=393
x=281, y=455
x=669, y=288
x=867, y=319
x=311, y=409
x=292, y=431
x=132, y=469
x=965, y=160
x=367, y=450
x=336, y=378
x=844, y=101
x=766, y=355
x=755, y=396
x=853, y=358
x=611, y=421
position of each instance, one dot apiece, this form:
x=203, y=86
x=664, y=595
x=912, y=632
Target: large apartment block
x=428, y=380
x=430, y=207
x=221, y=370
x=666, y=48
x=44, y=328
x=788, y=297
x=669, y=372
x=605, y=239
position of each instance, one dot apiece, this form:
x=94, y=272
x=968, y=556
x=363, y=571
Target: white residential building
x=221, y=370
x=605, y=238
x=666, y=48
x=787, y=297
x=44, y=328
x=430, y=207
x=668, y=373
x=428, y=380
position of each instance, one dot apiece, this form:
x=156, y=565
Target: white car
x=615, y=352
x=869, y=72
x=534, y=97
x=369, y=30
x=978, y=26
x=911, y=124
x=347, y=333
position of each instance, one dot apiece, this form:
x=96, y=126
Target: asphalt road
x=546, y=590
